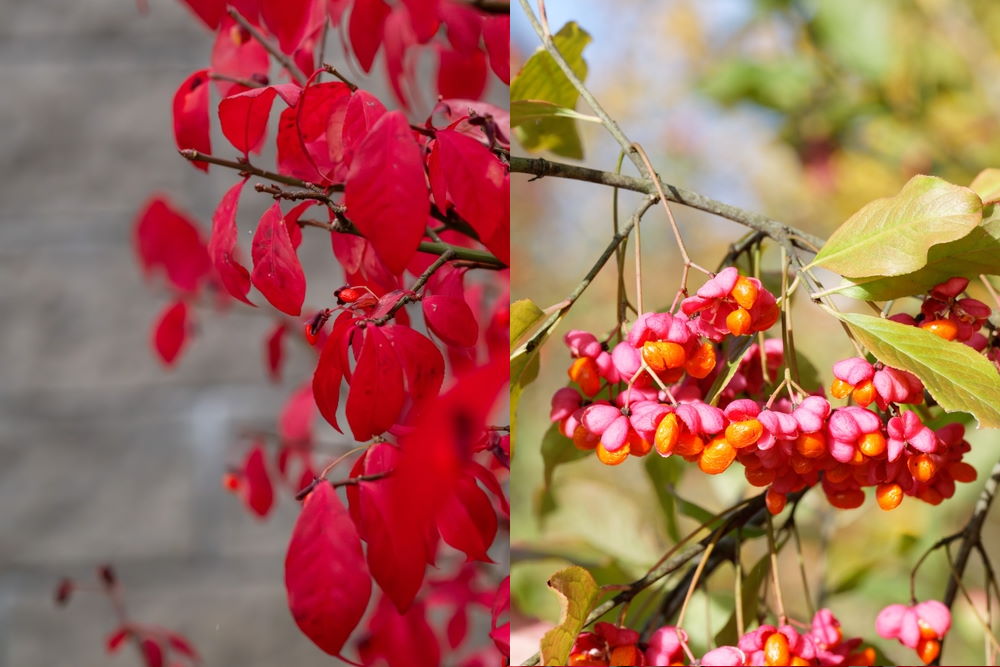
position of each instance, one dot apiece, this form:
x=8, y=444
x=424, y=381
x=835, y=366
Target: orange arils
x=716, y=456
x=689, y=444
x=744, y=433
x=889, y=496
x=584, y=439
x=702, y=362
x=872, y=444
x=962, y=472
x=586, y=375
x=928, y=650
x=802, y=465
x=661, y=355
x=926, y=631
x=838, y=473
x=798, y=661
x=864, y=394
x=637, y=445
x=944, y=328
x=584, y=659
x=811, y=445
x=612, y=458
x=668, y=432
x=847, y=499
x=839, y=388
x=865, y=658
x=776, y=650
x=759, y=476
x=738, y=322
x=922, y=467
x=769, y=317
x=625, y=656
x=775, y=501
x=744, y=292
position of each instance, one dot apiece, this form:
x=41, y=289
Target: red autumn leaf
x=243, y=117
x=363, y=110
x=400, y=639
x=330, y=369
x=362, y=265
x=151, y=652
x=421, y=361
x=259, y=493
x=237, y=54
x=398, y=37
x=376, y=396
x=292, y=221
x=461, y=74
x=386, y=191
x=489, y=480
x=496, y=35
x=222, y=245
x=292, y=158
x=466, y=173
x=314, y=112
x=464, y=25
x=276, y=269
x=458, y=627
x=336, y=9
x=181, y=644
x=501, y=606
x=365, y=29
x=191, y=123
x=326, y=577
x=168, y=239
x=467, y=521
x=170, y=332
x=451, y=320
x=209, y=11
x=116, y=639
x=288, y=20
x=275, y=351
x=295, y=424
x=423, y=17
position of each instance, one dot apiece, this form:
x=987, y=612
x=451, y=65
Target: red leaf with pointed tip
x=397, y=639
x=421, y=361
x=191, y=123
x=292, y=158
x=170, y=332
x=501, y=606
x=386, y=192
x=451, y=320
x=489, y=480
x=458, y=627
x=276, y=269
x=152, y=653
x=222, y=245
x=329, y=373
x=398, y=38
x=243, y=117
x=275, y=351
x=259, y=493
x=181, y=644
x=295, y=424
x=365, y=30
x=166, y=238
x=336, y=9
x=467, y=521
x=288, y=20
x=326, y=577
x=465, y=172
x=464, y=25
x=461, y=74
x=116, y=639
x=376, y=396
x=423, y=17
x=344, y=134
x=319, y=103
x=209, y=11
x=496, y=34
x=237, y=54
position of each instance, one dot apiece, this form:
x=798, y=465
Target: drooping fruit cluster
x=650, y=390
x=921, y=626
x=822, y=643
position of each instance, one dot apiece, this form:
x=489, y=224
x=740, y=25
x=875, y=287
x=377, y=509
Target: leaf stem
x=288, y=63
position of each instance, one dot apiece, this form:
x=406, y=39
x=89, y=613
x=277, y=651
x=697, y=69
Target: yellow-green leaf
x=987, y=185
x=891, y=236
x=523, y=111
x=524, y=316
x=975, y=253
x=541, y=79
x=578, y=592
x=959, y=378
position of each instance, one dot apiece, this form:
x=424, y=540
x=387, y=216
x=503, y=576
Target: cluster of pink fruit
x=649, y=392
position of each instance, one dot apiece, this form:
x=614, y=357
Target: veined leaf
x=524, y=315
x=541, y=79
x=578, y=592
x=523, y=111
x=959, y=378
x=978, y=252
x=891, y=236
x=986, y=184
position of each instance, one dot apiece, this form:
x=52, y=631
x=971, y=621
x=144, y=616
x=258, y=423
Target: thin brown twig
x=412, y=295
x=286, y=62
x=243, y=166
x=249, y=83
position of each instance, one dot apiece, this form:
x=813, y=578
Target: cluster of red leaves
x=430, y=480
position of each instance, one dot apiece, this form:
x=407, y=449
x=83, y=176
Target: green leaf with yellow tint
x=541, y=80
x=987, y=185
x=891, y=236
x=523, y=111
x=525, y=315
x=578, y=592
x=959, y=378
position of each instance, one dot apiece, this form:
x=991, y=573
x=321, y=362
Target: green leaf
x=664, y=474
x=891, y=236
x=541, y=79
x=557, y=449
x=578, y=592
x=733, y=360
x=523, y=111
x=524, y=316
x=959, y=378
x=978, y=252
x=986, y=184
x=749, y=596
x=854, y=578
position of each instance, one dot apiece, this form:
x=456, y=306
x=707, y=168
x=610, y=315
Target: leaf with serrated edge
x=978, y=252
x=959, y=378
x=541, y=79
x=891, y=236
x=577, y=593
x=986, y=184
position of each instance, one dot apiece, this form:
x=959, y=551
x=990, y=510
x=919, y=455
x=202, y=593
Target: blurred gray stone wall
x=104, y=456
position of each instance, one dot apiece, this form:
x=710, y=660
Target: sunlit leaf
x=524, y=315
x=986, y=184
x=524, y=111
x=578, y=592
